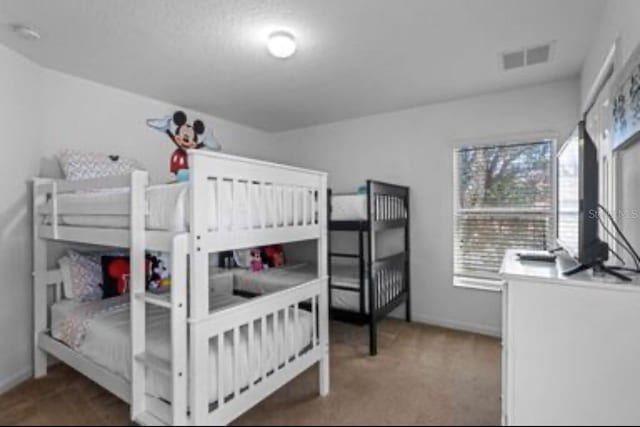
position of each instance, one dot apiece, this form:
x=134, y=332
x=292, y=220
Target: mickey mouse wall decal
x=185, y=136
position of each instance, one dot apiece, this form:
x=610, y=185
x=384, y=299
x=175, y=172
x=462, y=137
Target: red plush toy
x=275, y=255
x=120, y=271
x=116, y=274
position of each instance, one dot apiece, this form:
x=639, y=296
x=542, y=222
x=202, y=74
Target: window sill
x=479, y=284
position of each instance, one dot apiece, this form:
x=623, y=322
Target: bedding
x=353, y=207
x=104, y=337
x=277, y=279
x=349, y=207
x=168, y=207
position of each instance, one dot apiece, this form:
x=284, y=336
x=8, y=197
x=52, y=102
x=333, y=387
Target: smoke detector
x=526, y=57
x=26, y=32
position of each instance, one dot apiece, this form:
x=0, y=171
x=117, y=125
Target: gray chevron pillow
x=78, y=165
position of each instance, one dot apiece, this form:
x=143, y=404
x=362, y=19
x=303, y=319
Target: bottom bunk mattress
x=100, y=331
x=277, y=279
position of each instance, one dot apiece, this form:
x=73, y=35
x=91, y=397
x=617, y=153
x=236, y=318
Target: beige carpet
x=422, y=375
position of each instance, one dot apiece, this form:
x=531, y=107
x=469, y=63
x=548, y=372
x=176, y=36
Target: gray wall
x=20, y=119
x=43, y=112
x=415, y=148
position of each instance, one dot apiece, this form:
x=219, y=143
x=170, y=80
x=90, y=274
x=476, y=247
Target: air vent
x=526, y=57
x=513, y=60
x=538, y=55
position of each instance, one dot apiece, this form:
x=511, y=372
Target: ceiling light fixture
x=26, y=32
x=281, y=44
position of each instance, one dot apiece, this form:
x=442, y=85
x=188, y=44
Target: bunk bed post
x=371, y=217
x=329, y=264
x=137, y=288
x=407, y=249
x=39, y=287
x=361, y=273
x=179, y=330
x=323, y=311
x=199, y=286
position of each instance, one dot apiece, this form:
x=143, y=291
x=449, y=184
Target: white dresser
x=571, y=346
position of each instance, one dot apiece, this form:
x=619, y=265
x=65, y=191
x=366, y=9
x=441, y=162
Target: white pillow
x=78, y=165
x=65, y=270
x=242, y=257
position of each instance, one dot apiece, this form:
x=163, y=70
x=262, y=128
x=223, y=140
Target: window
x=504, y=198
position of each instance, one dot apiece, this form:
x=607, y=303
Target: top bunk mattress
x=168, y=207
x=353, y=207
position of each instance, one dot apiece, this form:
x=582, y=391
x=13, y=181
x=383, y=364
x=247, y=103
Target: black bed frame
x=389, y=277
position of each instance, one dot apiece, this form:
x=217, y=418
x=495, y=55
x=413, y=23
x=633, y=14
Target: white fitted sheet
x=277, y=279
x=353, y=207
x=107, y=343
x=349, y=207
x=168, y=207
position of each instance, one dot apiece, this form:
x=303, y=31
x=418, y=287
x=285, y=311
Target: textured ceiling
x=355, y=57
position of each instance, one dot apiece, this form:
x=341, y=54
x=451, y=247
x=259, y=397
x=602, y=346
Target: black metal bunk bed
x=385, y=282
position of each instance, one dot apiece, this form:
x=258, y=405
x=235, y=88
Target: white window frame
x=608, y=160
x=492, y=283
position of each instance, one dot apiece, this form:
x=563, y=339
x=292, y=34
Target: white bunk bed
x=212, y=366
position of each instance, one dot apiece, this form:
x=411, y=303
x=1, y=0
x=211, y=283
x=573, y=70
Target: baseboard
x=7, y=384
x=474, y=328
x=460, y=326
x=450, y=324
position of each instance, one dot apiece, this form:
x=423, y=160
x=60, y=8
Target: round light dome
x=281, y=44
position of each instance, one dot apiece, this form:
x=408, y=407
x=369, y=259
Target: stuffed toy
x=275, y=255
x=185, y=136
x=158, y=273
x=256, y=260
x=119, y=271
x=115, y=275
x=116, y=272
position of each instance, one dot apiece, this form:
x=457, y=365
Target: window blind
x=504, y=199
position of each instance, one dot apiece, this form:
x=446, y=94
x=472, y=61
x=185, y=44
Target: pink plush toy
x=256, y=260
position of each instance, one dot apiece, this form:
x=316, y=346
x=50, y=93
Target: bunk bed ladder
x=144, y=410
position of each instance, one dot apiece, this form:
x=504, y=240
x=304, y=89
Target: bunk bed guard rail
x=305, y=220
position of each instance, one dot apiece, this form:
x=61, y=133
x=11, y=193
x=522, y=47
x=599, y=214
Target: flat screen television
x=577, y=204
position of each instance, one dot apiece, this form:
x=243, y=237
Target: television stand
x=585, y=329
x=597, y=267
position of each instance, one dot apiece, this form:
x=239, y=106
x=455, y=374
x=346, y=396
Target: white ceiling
x=355, y=57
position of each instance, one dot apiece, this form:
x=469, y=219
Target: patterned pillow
x=78, y=165
x=86, y=276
